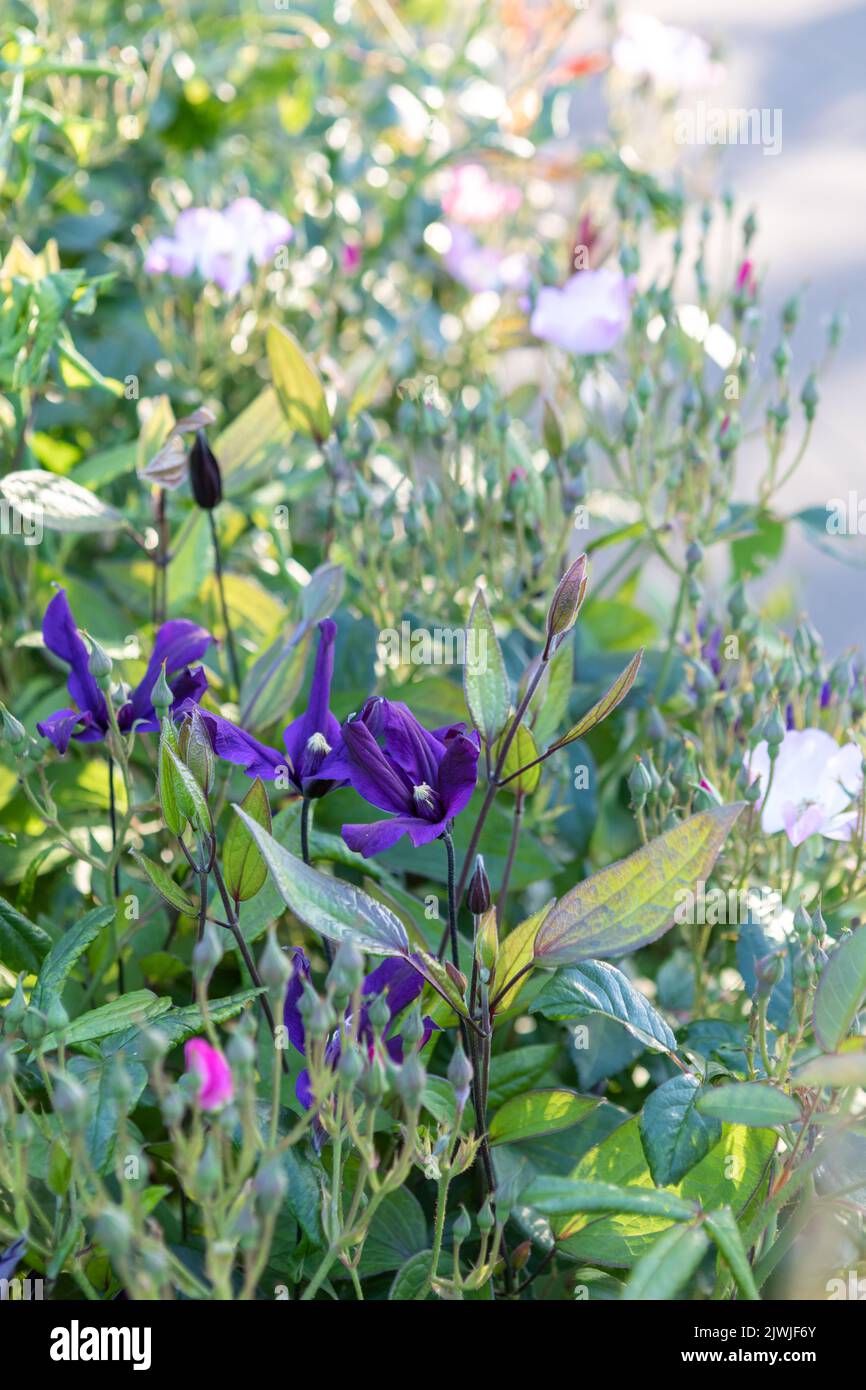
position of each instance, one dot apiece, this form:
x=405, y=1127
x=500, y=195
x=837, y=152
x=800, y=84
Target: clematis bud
x=13, y=731
x=204, y=473
x=99, y=664
x=161, y=695
x=487, y=942
x=195, y=749
x=565, y=605
x=478, y=892
x=460, y=1076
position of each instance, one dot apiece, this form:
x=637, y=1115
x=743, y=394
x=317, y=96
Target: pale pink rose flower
x=208, y=1063
x=588, y=314
x=813, y=785
x=471, y=196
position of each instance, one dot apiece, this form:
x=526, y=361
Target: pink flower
x=813, y=783
x=219, y=245
x=480, y=268
x=351, y=257
x=216, y=1088
x=471, y=196
x=671, y=57
x=746, y=282
x=588, y=314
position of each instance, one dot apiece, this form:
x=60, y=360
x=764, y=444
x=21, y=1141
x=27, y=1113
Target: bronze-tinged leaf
x=633, y=902
x=605, y=706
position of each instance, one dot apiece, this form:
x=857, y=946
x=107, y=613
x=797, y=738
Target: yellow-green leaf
x=633, y=902
x=515, y=952
x=485, y=682
x=539, y=1112
x=522, y=752
x=605, y=706
x=297, y=384
x=165, y=884
x=244, y=868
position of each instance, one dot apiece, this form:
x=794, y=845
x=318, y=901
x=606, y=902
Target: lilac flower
x=216, y=1088
x=178, y=643
x=588, y=314
x=813, y=783
x=423, y=779
x=219, y=245
x=401, y=985
x=481, y=268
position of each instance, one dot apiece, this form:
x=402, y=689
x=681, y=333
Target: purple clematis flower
x=423, y=779
x=178, y=643
x=396, y=978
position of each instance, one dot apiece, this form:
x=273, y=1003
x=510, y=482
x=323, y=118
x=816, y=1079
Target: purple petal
x=291, y=1012
x=60, y=728
x=235, y=745
x=9, y=1258
x=61, y=637
x=303, y=1089
x=376, y=838
x=372, y=774
x=178, y=643
x=458, y=774
x=410, y=745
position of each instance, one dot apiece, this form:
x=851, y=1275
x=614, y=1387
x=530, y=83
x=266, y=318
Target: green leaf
x=335, y=909
x=834, y=1069
x=410, y=1280
x=167, y=784
x=595, y=987
x=321, y=597
x=59, y=1169
x=272, y=683
x=22, y=943
x=663, y=1270
x=555, y=1196
x=398, y=1231
x=633, y=902
x=722, y=1226
x=244, y=869
x=178, y=1024
x=539, y=1112
x=188, y=796
x=841, y=990
x=165, y=885
x=522, y=751
x=605, y=706
x=515, y=1071
x=485, y=681
x=140, y=1006
x=56, y=967
x=297, y=384
x=751, y=1103
x=675, y=1136
x=57, y=503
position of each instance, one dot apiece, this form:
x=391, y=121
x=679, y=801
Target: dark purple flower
x=314, y=736
x=401, y=985
x=9, y=1258
x=178, y=643
x=423, y=779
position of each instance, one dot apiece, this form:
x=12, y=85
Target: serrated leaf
x=57, y=503
x=244, y=869
x=57, y=965
x=140, y=1006
x=485, y=680
x=297, y=384
x=411, y=1279
x=753, y=1103
x=674, y=1134
x=605, y=706
x=22, y=943
x=165, y=884
x=722, y=1226
x=595, y=987
x=554, y=1196
x=841, y=991
x=633, y=902
x=335, y=909
x=539, y=1112
x=664, y=1269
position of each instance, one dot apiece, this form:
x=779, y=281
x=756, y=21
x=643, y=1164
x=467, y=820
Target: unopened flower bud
x=478, y=893
x=347, y=971
x=379, y=1014
x=270, y=1186
x=350, y=1067
x=520, y=1255
x=174, y=1106
x=204, y=473
x=194, y=747
x=768, y=972
x=208, y=1171
x=460, y=1076
x=8, y=1064
x=485, y=1218
x=565, y=605
x=161, y=695
x=274, y=967
x=462, y=1227
x=15, y=1010
x=99, y=664
x=113, y=1229
x=410, y=1081
x=487, y=942
x=373, y=1082
x=13, y=731
x=412, y=1027
x=70, y=1103
x=241, y=1050
x=803, y=925
x=206, y=955
x=56, y=1018
x=639, y=784
x=34, y=1026
x=774, y=731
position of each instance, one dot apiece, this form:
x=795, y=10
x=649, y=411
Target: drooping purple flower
x=422, y=779
x=10, y=1257
x=396, y=979
x=178, y=644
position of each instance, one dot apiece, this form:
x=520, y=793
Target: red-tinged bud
x=478, y=892
x=565, y=605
